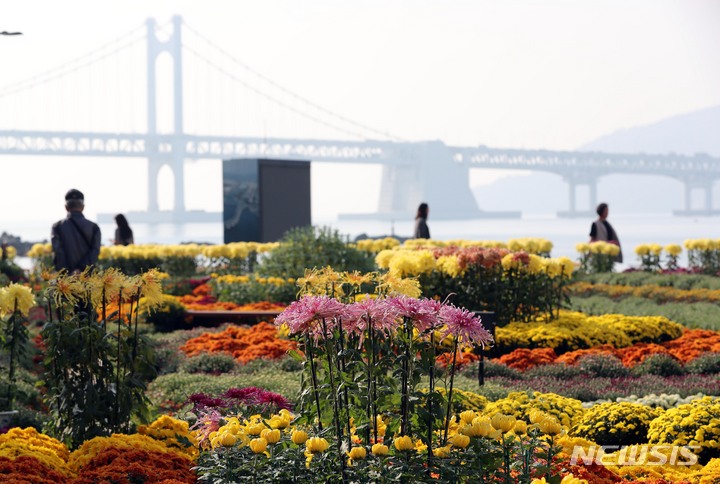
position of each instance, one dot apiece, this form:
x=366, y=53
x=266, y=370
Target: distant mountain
x=690, y=133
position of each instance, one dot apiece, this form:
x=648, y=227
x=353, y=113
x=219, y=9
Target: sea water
x=564, y=233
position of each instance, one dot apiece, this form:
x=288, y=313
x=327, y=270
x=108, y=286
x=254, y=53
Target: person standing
x=123, y=232
x=75, y=239
x=421, y=228
x=603, y=231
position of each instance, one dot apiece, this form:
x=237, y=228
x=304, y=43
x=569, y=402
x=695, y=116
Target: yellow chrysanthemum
x=392, y=285
x=403, y=443
x=151, y=288
x=673, y=249
x=67, y=289
x=16, y=297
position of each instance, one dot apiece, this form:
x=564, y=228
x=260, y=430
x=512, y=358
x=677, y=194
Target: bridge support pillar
x=574, y=180
x=427, y=174
x=153, y=171
x=692, y=183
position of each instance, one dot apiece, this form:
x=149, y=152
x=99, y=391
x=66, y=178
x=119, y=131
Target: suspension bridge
x=231, y=98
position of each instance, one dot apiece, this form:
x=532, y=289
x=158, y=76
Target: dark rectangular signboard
x=264, y=198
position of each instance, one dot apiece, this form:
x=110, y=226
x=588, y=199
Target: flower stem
x=449, y=399
x=309, y=351
x=334, y=393
x=431, y=389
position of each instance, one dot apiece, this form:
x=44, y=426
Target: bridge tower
x=161, y=154
x=427, y=173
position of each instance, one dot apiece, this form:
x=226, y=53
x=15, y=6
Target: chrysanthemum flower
x=424, y=313
x=105, y=286
x=316, y=444
x=393, y=285
x=67, y=289
x=464, y=326
x=151, y=289
x=359, y=315
x=403, y=443
x=303, y=315
x=16, y=297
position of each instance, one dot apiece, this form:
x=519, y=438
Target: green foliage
x=168, y=317
x=637, y=278
x=560, y=371
x=254, y=289
x=177, y=286
x=15, y=344
x=176, y=264
x=602, y=365
x=511, y=295
x=213, y=363
x=705, y=315
x=130, y=265
x=695, y=315
x=492, y=390
x=169, y=392
x=659, y=364
x=95, y=376
x=24, y=391
x=26, y=417
x=706, y=364
x=313, y=247
x=180, y=265
x=492, y=368
x=290, y=365
x=596, y=263
x=11, y=271
x=166, y=347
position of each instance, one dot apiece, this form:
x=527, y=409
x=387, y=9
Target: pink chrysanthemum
x=303, y=315
x=464, y=326
x=208, y=421
x=383, y=316
x=424, y=313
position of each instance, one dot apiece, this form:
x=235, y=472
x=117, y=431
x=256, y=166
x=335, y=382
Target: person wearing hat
x=75, y=239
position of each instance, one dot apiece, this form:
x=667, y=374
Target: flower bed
x=244, y=344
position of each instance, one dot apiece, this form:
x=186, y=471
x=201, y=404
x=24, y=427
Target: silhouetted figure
x=602, y=230
x=421, y=228
x=75, y=239
x=123, y=232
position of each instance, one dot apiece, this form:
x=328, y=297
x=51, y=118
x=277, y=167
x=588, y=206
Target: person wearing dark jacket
x=75, y=239
x=421, y=228
x=603, y=231
x=123, y=232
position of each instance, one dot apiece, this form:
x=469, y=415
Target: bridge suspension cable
x=121, y=42
x=286, y=91
x=269, y=97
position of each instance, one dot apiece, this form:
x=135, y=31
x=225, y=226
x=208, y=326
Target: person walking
x=421, y=228
x=75, y=240
x=601, y=230
x=123, y=232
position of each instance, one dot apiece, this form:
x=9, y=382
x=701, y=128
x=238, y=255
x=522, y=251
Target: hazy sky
x=506, y=73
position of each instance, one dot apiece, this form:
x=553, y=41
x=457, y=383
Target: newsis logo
x=636, y=455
